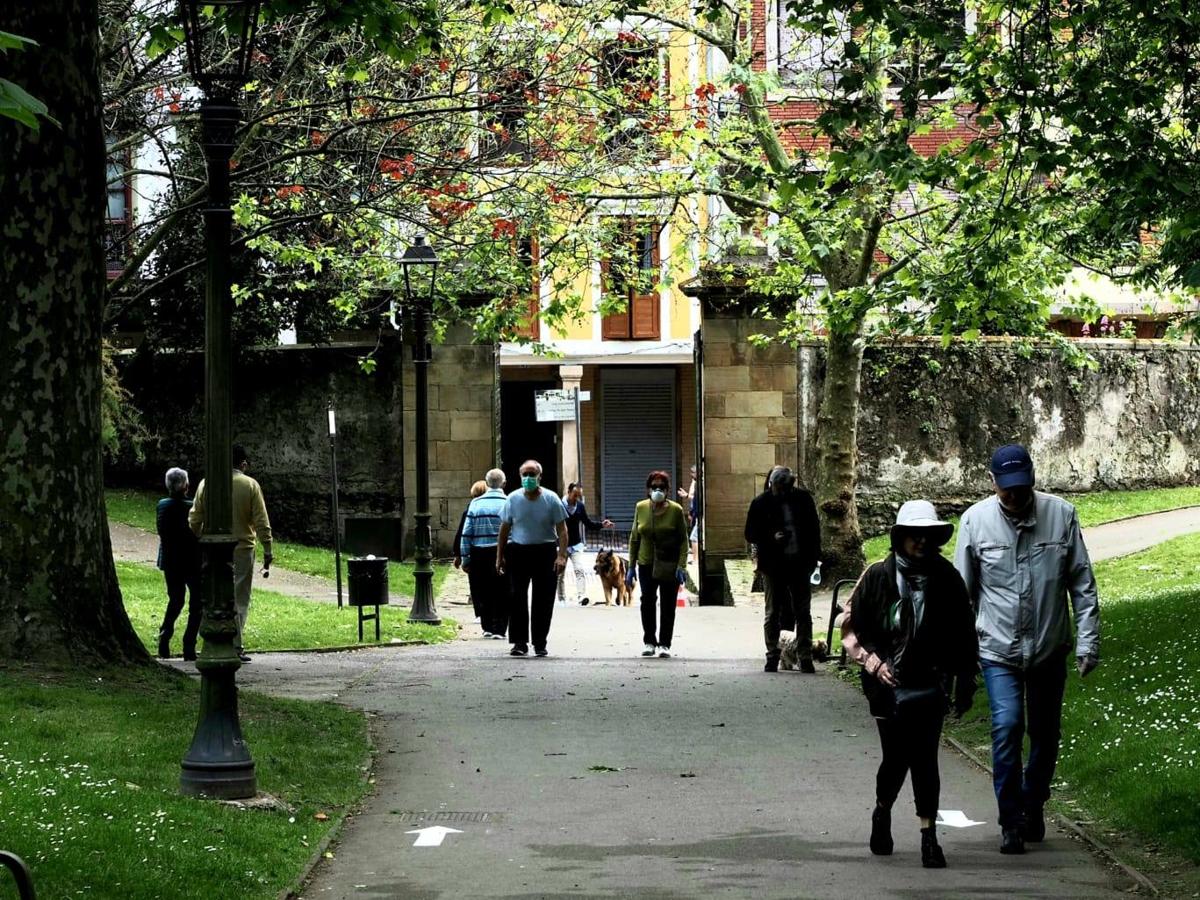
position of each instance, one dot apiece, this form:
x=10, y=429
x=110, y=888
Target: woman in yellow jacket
x=658, y=547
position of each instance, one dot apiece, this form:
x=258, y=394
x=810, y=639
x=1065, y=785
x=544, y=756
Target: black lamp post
x=419, y=264
x=219, y=35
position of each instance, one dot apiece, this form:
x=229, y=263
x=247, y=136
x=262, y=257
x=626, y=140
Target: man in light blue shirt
x=532, y=548
x=1022, y=556
x=480, y=534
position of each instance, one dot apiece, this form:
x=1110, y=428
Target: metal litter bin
x=368, y=582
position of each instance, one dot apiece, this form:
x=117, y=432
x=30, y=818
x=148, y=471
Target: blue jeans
x=1024, y=699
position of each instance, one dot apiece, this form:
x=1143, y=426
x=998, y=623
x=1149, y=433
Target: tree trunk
x=59, y=598
x=837, y=440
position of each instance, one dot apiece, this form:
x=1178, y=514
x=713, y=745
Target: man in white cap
x=1022, y=557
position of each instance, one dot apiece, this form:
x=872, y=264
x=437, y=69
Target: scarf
x=911, y=577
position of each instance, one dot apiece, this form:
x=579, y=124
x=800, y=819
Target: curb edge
x=1088, y=838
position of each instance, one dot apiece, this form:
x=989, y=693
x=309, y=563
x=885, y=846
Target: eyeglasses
x=658, y=487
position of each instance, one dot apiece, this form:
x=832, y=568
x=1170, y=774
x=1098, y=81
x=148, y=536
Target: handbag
x=661, y=570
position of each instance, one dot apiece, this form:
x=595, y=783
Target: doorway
x=523, y=437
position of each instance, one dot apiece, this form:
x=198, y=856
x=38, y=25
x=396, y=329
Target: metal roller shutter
x=637, y=436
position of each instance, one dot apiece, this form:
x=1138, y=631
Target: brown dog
x=611, y=569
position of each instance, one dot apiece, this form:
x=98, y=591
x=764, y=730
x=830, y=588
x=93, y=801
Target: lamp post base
x=218, y=763
x=423, y=609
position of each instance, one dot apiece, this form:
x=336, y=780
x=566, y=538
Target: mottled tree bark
x=837, y=468
x=59, y=597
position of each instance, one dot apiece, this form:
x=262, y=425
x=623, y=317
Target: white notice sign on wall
x=554, y=406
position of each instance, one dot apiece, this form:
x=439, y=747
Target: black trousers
x=531, y=566
x=180, y=582
x=489, y=591
x=909, y=740
x=788, y=598
x=664, y=592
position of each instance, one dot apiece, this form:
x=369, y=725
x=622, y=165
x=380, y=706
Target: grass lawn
x=1131, y=731
x=276, y=622
x=136, y=508
x=1094, y=509
x=89, y=787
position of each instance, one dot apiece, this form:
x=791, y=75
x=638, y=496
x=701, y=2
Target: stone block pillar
x=570, y=377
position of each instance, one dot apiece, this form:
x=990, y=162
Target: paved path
x=728, y=782
x=1140, y=533
x=725, y=781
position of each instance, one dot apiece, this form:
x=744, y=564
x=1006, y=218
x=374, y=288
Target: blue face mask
x=529, y=482
x=658, y=496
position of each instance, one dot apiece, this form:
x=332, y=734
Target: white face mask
x=658, y=496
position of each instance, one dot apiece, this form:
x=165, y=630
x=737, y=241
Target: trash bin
x=368, y=579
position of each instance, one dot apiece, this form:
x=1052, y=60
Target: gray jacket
x=1019, y=576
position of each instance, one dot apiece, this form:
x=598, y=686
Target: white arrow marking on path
x=432, y=836
x=955, y=818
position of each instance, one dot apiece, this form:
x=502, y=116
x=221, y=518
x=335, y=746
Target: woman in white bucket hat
x=909, y=624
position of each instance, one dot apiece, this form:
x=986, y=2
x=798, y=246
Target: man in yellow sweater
x=250, y=524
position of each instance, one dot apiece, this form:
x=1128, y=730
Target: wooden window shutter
x=530, y=326
x=614, y=327
x=644, y=307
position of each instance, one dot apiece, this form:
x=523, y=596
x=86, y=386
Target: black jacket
x=576, y=522
x=765, y=519
x=178, y=548
x=462, y=521
x=943, y=647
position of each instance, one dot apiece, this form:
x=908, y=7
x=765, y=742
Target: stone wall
x=930, y=418
x=280, y=400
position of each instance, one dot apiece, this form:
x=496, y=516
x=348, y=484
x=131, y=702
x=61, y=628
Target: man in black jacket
x=782, y=523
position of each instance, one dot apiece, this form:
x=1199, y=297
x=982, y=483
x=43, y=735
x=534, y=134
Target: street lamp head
x=419, y=264
x=220, y=40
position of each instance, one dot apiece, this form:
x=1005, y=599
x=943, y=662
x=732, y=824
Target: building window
x=631, y=275
x=633, y=73
x=814, y=57
x=528, y=303
x=506, y=127
x=810, y=57
x=119, y=215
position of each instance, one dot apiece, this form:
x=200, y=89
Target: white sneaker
x=487, y=635
x=664, y=652
x=648, y=650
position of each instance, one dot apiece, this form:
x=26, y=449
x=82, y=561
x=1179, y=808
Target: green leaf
x=17, y=103
x=9, y=41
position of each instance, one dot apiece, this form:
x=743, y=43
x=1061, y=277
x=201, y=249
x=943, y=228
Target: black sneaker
x=931, y=854
x=518, y=650
x=1011, y=843
x=771, y=666
x=584, y=602
x=540, y=651
x=244, y=657
x=881, y=831
x=807, y=667
x=1034, y=828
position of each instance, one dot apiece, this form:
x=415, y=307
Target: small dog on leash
x=789, y=657
x=611, y=569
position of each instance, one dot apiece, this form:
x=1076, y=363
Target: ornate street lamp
x=419, y=264
x=219, y=36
